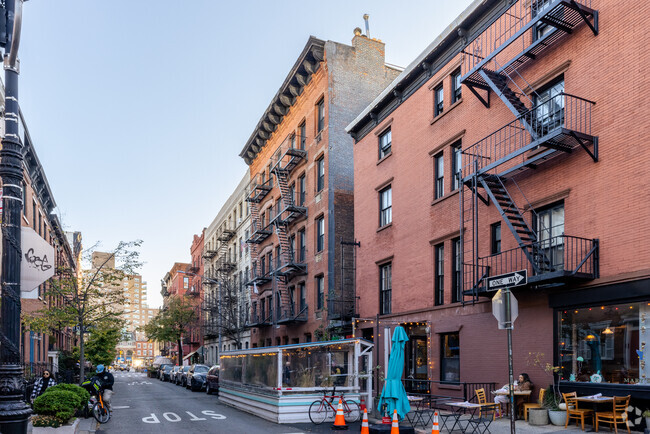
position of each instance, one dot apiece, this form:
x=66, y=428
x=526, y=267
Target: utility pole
x=14, y=412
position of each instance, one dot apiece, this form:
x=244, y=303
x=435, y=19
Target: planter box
x=557, y=417
x=65, y=429
x=538, y=416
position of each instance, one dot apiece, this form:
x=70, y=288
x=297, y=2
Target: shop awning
x=189, y=355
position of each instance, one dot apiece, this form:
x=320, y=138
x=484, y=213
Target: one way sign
x=516, y=278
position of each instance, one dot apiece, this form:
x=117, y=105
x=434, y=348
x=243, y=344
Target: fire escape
x=545, y=127
x=287, y=157
x=210, y=327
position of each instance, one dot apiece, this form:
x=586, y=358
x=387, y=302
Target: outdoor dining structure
x=279, y=383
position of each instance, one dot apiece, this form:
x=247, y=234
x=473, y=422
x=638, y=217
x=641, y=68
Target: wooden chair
x=480, y=395
x=538, y=404
x=573, y=412
x=618, y=415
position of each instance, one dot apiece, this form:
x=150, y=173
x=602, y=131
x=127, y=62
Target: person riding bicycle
x=106, y=379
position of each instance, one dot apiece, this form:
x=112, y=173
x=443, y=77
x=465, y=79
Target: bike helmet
x=100, y=369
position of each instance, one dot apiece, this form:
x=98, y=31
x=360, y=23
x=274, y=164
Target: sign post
x=505, y=309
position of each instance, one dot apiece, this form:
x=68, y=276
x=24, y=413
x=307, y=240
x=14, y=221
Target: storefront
x=279, y=383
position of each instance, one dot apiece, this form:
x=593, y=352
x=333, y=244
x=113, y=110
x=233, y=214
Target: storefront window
x=604, y=343
x=316, y=367
x=450, y=357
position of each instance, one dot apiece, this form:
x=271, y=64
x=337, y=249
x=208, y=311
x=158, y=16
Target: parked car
x=212, y=380
x=181, y=377
x=162, y=370
x=172, y=375
x=166, y=372
x=199, y=383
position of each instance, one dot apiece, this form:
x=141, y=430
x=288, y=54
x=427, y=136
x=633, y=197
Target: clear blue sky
x=138, y=109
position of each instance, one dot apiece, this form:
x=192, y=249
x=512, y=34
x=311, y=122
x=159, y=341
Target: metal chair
x=481, y=423
x=618, y=415
x=573, y=412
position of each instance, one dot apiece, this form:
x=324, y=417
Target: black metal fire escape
x=543, y=128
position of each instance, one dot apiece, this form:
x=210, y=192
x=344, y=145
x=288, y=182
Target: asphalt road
x=144, y=405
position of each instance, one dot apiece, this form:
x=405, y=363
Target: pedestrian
x=42, y=384
x=107, y=380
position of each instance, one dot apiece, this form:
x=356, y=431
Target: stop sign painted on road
x=499, y=308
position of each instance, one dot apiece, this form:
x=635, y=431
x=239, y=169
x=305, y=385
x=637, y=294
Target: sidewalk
x=85, y=426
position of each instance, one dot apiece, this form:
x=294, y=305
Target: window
x=456, y=87
x=292, y=248
x=320, y=234
x=439, y=263
x=320, y=174
x=277, y=257
x=320, y=292
x=439, y=187
x=549, y=107
x=292, y=194
x=456, y=164
x=385, y=140
x=385, y=206
x=385, y=287
x=495, y=238
x=550, y=231
x=541, y=28
x=450, y=357
x=302, y=189
x=263, y=265
x=456, y=276
x=302, y=254
x=321, y=115
x=439, y=99
x=34, y=214
x=302, y=135
x=301, y=295
x=24, y=188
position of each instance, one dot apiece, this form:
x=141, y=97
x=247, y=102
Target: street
x=147, y=405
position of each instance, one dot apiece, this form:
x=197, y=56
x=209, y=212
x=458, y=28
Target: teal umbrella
x=394, y=395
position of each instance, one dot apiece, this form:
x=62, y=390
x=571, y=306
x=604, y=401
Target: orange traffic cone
x=362, y=405
x=435, y=429
x=339, y=420
x=394, y=429
x=365, y=428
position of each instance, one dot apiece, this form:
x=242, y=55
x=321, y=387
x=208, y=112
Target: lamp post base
x=14, y=411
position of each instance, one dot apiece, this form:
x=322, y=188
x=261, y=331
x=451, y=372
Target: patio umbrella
x=394, y=395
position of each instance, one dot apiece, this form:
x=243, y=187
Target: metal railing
x=290, y=153
x=555, y=257
x=502, y=32
x=528, y=131
x=465, y=390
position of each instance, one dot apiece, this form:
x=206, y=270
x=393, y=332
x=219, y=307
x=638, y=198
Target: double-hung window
x=385, y=288
x=439, y=282
x=302, y=139
x=495, y=238
x=456, y=87
x=456, y=284
x=456, y=164
x=320, y=292
x=320, y=234
x=385, y=206
x=549, y=108
x=320, y=107
x=302, y=189
x=320, y=174
x=439, y=97
x=439, y=188
x=302, y=254
x=385, y=140
x=450, y=357
x=550, y=235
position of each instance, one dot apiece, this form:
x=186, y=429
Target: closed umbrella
x=394, y=395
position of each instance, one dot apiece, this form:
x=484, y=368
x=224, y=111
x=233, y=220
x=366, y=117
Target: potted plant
x=551, y=402
x=646, y=415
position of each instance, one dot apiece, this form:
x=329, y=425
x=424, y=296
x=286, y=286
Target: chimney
x=365, y=18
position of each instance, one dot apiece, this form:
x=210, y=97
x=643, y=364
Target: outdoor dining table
x=595, y=401
x=502, y=392
x=460, y=408
x=423, y=407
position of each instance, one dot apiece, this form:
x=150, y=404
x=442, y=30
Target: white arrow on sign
x=507, y=281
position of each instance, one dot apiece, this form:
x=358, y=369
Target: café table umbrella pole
x=393, y=393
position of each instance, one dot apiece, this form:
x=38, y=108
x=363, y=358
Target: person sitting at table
x=522, y=383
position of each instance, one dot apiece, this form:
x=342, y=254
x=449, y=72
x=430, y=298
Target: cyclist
x=106, y=379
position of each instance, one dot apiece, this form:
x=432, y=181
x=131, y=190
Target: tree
x=102, y=343
x=172, y=323
x=92, y=298
x=226, y=310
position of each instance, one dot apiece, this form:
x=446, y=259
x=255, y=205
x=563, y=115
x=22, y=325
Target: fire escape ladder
x=283, y=306
x=526, y=238
x=499, y=83
x=285, y=245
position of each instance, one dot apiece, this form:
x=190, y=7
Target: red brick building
x=300, y=193
x=196, y=290
x=518, y=144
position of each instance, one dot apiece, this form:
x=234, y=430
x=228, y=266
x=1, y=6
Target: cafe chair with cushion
x=538, y=404
x=573, y=412
x=618, y=415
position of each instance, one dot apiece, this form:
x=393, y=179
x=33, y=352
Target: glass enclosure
x=604, y=343
x=303, y=367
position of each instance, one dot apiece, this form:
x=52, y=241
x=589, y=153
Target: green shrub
x=80, y=391
x=58, y=403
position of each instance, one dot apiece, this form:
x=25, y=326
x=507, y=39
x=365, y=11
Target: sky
x=138, y=109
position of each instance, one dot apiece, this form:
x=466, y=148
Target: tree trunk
x=180, y=352
x=82, y=356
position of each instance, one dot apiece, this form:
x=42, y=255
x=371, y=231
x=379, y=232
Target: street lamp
x=14, y=412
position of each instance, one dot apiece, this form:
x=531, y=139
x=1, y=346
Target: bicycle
x=324, y=408
x=96, y=402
